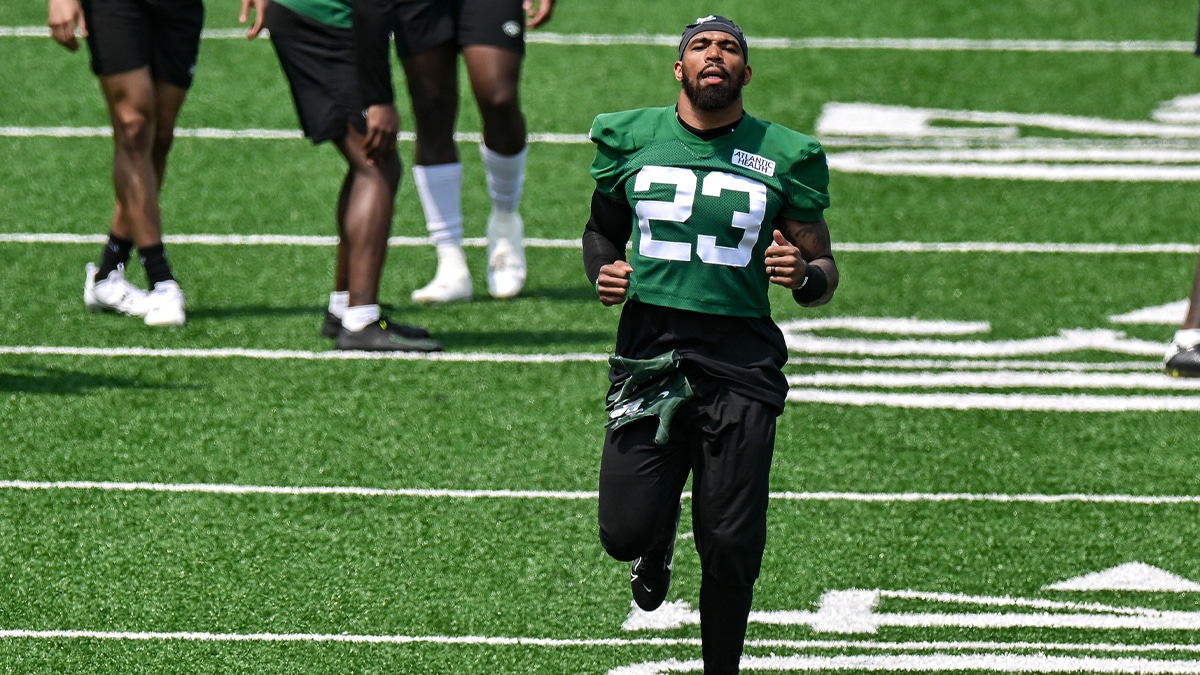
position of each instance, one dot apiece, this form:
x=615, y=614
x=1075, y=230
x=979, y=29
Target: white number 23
x=680, y=209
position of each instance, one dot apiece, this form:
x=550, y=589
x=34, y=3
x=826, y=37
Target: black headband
x=718, y=23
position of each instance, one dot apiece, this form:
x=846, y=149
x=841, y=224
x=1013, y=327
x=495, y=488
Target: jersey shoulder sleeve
x=804, y=173
x=618, y=137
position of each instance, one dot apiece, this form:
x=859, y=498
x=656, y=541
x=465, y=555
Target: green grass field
x=977, y=422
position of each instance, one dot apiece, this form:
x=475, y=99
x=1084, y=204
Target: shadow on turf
x=234, y=312
x=37, y=380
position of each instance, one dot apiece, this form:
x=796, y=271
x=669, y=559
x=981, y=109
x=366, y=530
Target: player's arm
x=604, y=238
x=801, y=259
x=539, y=15
x=260, y=12
x=63, y=17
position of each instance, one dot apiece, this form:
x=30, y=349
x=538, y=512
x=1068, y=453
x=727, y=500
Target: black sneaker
x=650, y=575
x=332, y=326
x=1182, y=361
x=385, y=336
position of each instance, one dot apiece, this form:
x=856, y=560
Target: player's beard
x=713, y=96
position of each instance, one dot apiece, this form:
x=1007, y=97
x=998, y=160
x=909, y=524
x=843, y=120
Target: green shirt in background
x=335, y=13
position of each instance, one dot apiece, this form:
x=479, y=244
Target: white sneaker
x=506, y=254
x=113, y=294
x=450, y=284
x=165, y=305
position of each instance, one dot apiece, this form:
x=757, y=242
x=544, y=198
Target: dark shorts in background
x=424, y=24
x=125, y=35
x=318, y=61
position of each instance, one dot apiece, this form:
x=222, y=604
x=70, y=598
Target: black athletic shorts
x=318, y=61
x=423, y=24
x=125, y=35
x=726, y=442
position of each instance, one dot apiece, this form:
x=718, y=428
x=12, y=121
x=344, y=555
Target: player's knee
x=499, y=102
x=133, y=131
x=625, y=542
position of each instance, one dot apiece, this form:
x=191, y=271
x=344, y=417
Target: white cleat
x=114, y=294
x=448, y=285
x=506, y=254
x=165, y=305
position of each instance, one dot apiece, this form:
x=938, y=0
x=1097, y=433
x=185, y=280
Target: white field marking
x=1009, y=379
x=261, y=240
x=202, y=636
x=903, y=44
x=997, y=154
x=1006, y=663
x=284, y=354
x=533, y=242
x=968, y=364
x=351, y=491
x=1010, y=247
x=207, y=133
x=228, y=489
x=1132, y=576
x=851, y=162
x=891, y=326
x=1072, y=340
x=893, y=121
x=1171, y=314
x=1016, y=402
x=854, y=611
x=909, y=497
x=907, y=44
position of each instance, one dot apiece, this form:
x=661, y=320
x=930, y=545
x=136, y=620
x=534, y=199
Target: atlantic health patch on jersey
x=753, y=162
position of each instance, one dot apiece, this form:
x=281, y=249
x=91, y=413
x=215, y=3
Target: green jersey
x=334, y=13
x=704, y=210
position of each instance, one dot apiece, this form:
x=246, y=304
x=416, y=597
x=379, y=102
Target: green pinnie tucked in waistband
x=655, y=388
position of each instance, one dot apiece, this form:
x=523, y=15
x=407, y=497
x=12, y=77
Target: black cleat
x=385, y=336
x=1182, y=361
x=650, y=575
x=650, y=579
x=331, y=327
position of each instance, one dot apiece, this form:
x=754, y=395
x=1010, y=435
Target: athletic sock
x=1187, y=337
x=338, y=302
x=116, y=252
x=359, y=317
x=724, y=612
x=505, y=177
x=154, y=259
x=440, y=189
x=451, y=258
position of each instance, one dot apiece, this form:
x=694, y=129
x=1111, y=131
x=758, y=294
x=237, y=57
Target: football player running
x=717, y=205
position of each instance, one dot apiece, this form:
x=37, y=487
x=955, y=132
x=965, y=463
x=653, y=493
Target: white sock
x=1187, y=337
x=359, y=317
x=451, y=260
x=440, y=188
x=338, y=302
x=505, y=177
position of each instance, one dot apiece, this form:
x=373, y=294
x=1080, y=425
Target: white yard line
x=535, y=242
x=561, y=495
x=901, y=44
